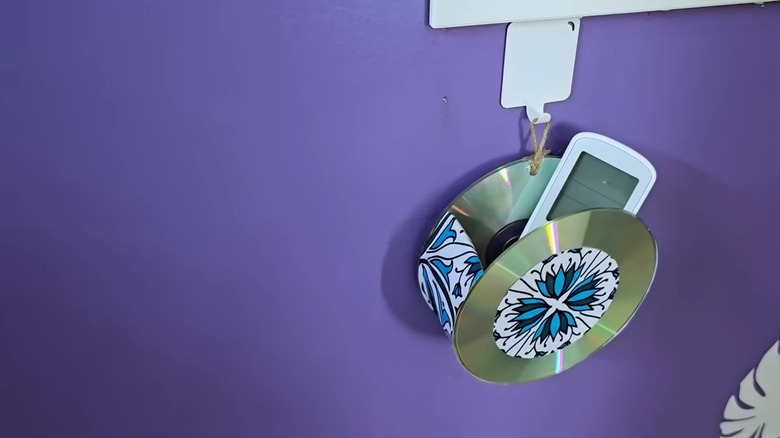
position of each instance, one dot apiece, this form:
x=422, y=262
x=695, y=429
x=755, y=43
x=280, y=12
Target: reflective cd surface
x=474, y=230
x=498, y=200
x=555, y=296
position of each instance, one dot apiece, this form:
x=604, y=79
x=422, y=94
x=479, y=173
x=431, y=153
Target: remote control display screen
x=593, y=184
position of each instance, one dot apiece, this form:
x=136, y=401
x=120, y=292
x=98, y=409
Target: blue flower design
x=555, y=303
x=447, y=269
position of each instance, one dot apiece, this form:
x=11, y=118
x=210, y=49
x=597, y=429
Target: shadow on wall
x=399, y=270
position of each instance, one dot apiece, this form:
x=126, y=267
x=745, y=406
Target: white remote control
x=594, y=172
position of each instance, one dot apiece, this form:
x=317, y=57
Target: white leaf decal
x=756, y=412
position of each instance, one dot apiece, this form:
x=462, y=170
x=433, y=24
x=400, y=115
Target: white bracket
x=541, y=42
x=539, y=64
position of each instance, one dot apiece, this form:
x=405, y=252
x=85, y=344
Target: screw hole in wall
x=571, y=23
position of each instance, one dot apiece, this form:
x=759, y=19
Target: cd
x=555, y=296
x=474, y=230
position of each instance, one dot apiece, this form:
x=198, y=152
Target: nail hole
x=571, y=23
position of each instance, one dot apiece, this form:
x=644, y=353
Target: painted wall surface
x=210, y=214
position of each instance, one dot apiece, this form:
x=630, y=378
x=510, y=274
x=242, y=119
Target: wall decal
x=755, y=411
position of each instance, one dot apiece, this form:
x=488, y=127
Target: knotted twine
x=539, y=150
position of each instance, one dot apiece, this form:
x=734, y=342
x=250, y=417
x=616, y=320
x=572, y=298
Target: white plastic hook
x=536, y=113
x=539, y=65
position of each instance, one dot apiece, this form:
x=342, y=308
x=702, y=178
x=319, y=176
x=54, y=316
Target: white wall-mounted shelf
x=459, y=13
x=541, y=41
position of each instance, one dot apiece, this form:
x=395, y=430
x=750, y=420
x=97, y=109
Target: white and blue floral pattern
x=448, y=268
x=555, y=302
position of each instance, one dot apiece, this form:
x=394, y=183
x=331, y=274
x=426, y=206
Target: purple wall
x=210, y=212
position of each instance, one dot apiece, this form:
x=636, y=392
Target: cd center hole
x=511, y=240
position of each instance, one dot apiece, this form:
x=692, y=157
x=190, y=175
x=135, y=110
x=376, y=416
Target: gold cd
x=501, y=201
x=555, y=296
x=474, y=229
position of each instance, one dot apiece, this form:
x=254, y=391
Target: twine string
x=539, y=149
